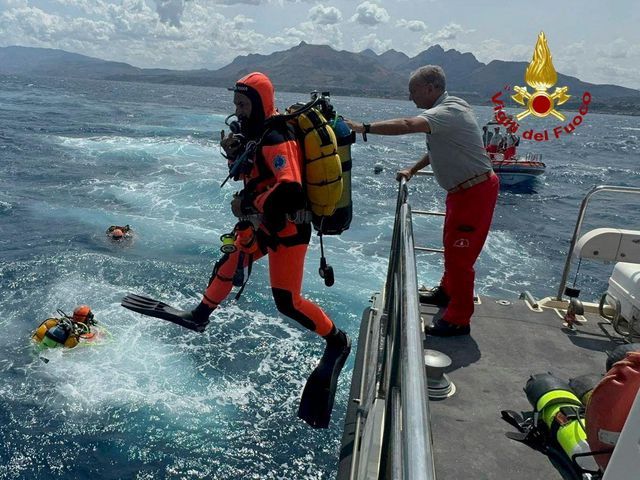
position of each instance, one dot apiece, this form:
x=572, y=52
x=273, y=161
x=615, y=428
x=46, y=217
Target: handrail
x=576, y=231
x=416, y=433
x=403, y=363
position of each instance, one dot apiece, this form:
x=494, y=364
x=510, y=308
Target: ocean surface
x=156, y=401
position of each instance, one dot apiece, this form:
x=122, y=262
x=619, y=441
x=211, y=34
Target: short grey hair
x=430, y=75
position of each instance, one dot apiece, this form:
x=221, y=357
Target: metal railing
x=427, y=173
x=576, y=231
x=402, y=368
x=390, y=432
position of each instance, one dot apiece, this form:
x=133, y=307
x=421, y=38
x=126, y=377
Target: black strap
x=528, y=431
x=249, y=265
x=348, y=140
x=565, y=415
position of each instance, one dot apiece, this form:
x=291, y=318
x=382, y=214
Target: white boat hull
x=517, y=171
x=516, y=178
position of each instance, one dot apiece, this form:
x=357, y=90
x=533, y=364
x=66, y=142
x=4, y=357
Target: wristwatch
x=367, y=127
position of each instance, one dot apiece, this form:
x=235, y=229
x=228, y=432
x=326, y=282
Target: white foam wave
x=180, y=147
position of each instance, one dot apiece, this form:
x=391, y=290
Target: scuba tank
x=340, y=220
x=67, y=330
x=584, y=417
x=561, y=412
x=326, y=143
x=57, y=336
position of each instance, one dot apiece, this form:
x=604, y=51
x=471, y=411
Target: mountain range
x=307, y=67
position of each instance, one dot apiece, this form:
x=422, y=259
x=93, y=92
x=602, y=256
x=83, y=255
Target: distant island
x=306, y=67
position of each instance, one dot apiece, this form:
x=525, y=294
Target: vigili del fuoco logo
x=541, y=76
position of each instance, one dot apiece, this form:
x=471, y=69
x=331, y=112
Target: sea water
x=158, y=401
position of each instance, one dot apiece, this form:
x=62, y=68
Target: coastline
x=622, y=107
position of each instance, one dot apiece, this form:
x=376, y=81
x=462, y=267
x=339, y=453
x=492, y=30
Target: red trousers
x=509, y=153
x=286, y=268
x=466, y=226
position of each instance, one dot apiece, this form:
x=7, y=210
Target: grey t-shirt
x=455, y=142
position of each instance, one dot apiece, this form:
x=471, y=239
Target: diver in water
x=116, y=232
x=269, y=157
x=65, y=331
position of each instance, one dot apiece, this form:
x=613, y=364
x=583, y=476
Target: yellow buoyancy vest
x=49, y=323
x=322, y=167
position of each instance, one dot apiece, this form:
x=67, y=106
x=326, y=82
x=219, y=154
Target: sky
x=596, y=41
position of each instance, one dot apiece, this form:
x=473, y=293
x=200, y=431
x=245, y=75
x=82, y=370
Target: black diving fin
x=154, y=308
x=319, y=392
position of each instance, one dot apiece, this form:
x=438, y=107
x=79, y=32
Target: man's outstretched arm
x=396, y=126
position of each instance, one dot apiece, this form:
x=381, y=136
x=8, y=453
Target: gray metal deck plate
x=490, y=368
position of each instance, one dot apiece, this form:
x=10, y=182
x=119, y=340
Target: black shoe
x=434, y=296
x=441, y=328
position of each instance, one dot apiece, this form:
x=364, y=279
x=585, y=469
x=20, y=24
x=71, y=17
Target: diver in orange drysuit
x=272, y=191
x=271, y=197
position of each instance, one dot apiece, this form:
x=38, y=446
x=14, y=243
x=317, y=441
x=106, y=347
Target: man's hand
x=232, y=145
x=236, y=205
x=355, y=126
x=406, y=173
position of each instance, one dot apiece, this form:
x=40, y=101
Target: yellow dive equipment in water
x=55, y=333
x=66, y=331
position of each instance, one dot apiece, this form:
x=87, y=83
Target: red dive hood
x=260, y=84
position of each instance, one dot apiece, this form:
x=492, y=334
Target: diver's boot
x=200, y=316
x=196, y=319
x=319, y=392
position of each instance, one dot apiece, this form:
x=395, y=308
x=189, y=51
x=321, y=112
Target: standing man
x=461, y=166
x=510, y=144
x=271, y=196
x=486, y=136
x=494, y=143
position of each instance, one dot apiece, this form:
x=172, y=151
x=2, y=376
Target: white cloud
x=492, y=49
x=618, y=48
x=316, y=34
x=240, y=2
x=413, y=25
x=614, y=62
x=370, y=14
x=28, y=24
x=133, y=32
x=170, y=11
x=373, y=42
x=325, y=15
x=210, y=33
x=446, y=34
x=6, y=4
x=242, y=21
x=85, y=6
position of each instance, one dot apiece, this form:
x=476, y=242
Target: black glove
x=232, y=145
x=242, y=205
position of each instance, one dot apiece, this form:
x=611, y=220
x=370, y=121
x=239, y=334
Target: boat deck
x=508, y=343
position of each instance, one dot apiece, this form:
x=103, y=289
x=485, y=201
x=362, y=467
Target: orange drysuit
x=272, y=189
